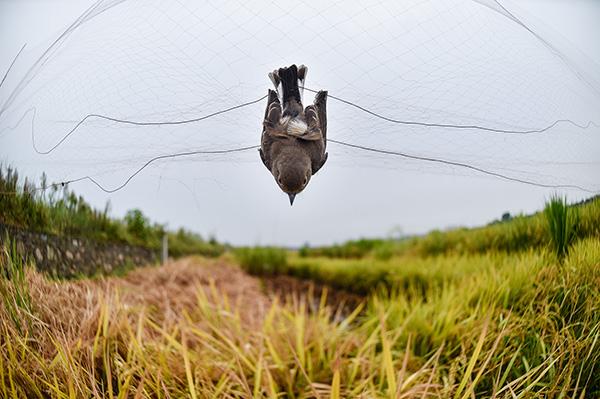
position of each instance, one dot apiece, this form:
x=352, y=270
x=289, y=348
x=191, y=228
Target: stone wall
x=73, y=256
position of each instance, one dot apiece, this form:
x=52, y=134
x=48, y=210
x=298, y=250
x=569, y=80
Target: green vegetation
x=436, y=258
x=562, y=223
x=14, y=288
x=514, y=234
x=262, y=260
x=183, y=242
x=56, y=210
x=516, y=301
x=350, y=250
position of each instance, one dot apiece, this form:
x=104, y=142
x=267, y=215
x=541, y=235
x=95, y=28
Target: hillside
x=55, y=209
x=365, y=265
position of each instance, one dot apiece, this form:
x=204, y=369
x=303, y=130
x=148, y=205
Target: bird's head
x=292, y=171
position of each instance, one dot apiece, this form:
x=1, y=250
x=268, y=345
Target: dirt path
x=166, y=291
x=288, y=288
x=175, y=285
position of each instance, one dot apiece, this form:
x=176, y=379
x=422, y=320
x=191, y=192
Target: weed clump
x=562, y=225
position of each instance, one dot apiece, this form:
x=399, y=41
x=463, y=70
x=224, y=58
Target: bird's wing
x=272, y=123
x=321, y=105
x=318, y=165
x=273, y=111
x=266, y=161
x=313, y=125
x=320, y=109
x=316, y=119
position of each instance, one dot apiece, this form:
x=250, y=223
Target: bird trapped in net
x=294, y=138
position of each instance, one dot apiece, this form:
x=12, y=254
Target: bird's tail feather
x=289, y=83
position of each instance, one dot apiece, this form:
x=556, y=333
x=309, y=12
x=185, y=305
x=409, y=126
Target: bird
x=294, y=138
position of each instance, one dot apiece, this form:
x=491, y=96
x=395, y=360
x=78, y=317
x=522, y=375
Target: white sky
x=448, y=62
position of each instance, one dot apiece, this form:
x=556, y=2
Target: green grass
x=563, y=222
x=14, y=288
x=508, y=310
x=434, y=259
x=262, y=260
x=518, y=233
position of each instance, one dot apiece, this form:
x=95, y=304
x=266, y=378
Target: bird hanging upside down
x=294, y=138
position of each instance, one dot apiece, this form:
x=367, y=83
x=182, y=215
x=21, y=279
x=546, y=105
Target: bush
x=262, y=260
x=184, y=242
x=138, y=225
x=384, y=251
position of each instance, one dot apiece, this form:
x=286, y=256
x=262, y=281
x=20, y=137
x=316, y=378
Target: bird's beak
x=292, y=196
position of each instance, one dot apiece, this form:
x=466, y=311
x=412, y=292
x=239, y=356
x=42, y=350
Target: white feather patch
x=296, y=127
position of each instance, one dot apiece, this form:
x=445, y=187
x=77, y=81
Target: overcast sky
x=449, y=62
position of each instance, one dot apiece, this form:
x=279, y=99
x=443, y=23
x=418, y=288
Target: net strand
x=11, y=64
x=456, y=126
x=132, y=122
x=339, y=142
x=459, y=164
x=242, y=105
x=140, y=169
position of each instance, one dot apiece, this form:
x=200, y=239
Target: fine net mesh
x=433, y=62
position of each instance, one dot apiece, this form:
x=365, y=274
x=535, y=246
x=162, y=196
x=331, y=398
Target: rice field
x=493, y=325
